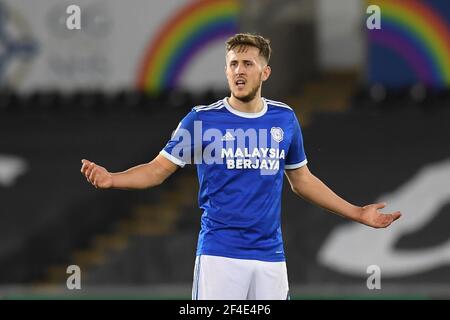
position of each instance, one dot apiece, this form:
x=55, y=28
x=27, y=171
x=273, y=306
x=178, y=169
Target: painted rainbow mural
x=418, y=33
x=193, y=28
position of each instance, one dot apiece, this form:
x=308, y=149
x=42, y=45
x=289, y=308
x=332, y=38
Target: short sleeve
x=180, y=148
x=296, y=156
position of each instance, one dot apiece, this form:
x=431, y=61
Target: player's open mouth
x=240, y=83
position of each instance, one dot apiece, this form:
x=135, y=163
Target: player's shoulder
x=218, y=105
x=281, y=106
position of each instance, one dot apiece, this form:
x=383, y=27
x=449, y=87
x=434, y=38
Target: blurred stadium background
x=375, y=111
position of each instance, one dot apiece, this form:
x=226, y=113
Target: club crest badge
x=277, y=134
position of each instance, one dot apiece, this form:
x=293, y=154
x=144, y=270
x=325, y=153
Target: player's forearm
x=139, y=177
x=314, y=190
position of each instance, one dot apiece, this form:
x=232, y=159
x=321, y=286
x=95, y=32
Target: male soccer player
x=246, y=143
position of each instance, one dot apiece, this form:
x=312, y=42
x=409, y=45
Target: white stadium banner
x=114, y=44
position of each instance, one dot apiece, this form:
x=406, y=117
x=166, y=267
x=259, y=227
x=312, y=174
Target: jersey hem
x=243, y=257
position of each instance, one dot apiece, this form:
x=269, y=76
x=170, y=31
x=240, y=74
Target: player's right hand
x=96, y=175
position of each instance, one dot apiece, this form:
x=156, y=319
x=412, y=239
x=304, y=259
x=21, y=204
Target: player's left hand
x=371, y=216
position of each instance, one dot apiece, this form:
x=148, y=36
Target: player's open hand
x=372, y=217
x=98, y=176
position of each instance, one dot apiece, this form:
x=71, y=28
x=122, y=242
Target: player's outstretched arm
x=139, y=177
x=309, y=187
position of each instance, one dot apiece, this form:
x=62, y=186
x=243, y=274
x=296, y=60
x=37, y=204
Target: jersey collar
x=246, y=114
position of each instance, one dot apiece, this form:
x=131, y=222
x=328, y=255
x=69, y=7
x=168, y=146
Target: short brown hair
x=253, y=40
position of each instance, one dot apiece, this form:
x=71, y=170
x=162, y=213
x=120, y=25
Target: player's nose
x=239, y=69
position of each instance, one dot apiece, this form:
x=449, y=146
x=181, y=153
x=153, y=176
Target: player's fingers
x=93, y=174
x=85, y=162
x=389, y=218
x=89, y=169
x=396, y=215
x=83, y=165
x=84, y=168
x=380, y=205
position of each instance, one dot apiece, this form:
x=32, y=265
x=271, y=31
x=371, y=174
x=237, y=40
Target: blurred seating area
x=48, y=211
x=92, y=102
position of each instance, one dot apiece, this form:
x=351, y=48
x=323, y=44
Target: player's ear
x=266, y=72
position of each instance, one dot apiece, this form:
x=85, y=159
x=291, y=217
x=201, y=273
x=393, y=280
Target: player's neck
x=253, y=106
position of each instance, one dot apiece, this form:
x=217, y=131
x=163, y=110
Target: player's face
x=246, y=70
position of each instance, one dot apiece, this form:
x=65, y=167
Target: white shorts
x=220, y=278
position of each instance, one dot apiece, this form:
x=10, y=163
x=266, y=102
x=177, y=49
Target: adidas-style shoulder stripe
x=277, y=104
x=217, y=105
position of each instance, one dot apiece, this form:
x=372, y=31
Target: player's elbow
x=156, y=174
x=299, y=185
x=295, y=189
x=155, y=181
x=160, y=180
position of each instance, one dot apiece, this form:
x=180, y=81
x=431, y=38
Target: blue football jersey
x=240, y=159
